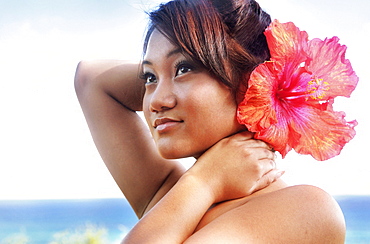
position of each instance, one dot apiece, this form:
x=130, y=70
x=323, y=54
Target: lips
x=160, y=122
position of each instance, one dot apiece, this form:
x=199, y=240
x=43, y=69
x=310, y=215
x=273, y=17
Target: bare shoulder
x=296, y=214
x=314, y=209
x=317, y=216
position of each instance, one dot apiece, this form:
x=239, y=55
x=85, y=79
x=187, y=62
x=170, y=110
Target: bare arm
x=109, y=93
x=300, y=214
x=235, y=167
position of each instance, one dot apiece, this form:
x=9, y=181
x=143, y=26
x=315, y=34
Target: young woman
x=198, y=57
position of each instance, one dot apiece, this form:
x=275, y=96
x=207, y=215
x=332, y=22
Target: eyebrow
x=171, y=53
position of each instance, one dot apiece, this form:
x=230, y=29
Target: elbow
x=81, y=77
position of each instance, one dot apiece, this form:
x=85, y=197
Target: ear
x=243, y=87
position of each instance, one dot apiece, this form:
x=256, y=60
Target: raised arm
x=109, y=93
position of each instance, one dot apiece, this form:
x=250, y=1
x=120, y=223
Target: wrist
x=204, y=182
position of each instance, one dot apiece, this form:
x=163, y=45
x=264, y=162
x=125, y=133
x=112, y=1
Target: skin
x=233, y=194
x=188, y=95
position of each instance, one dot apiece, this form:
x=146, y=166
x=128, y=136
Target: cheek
x=214, y=115
x=216, y=103
x=146, y=111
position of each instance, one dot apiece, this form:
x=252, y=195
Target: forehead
x=158, y=46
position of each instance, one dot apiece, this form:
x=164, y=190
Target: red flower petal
x=262, y=112
x=255, y=111
x=286, y=42
x=289, y=100
x=332, y=73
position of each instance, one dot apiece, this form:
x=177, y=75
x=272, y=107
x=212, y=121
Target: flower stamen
x=317, y=88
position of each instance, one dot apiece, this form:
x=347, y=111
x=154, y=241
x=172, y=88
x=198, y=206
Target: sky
x=46, y=150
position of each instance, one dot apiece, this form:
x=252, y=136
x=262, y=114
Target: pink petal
x=323, y=134
x=332, y=73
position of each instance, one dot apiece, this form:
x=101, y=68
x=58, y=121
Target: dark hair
x=226, y=36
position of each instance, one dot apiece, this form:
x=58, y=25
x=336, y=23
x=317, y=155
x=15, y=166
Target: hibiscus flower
x=289, y=100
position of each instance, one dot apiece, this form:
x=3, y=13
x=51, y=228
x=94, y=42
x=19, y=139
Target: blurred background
x=46, y=149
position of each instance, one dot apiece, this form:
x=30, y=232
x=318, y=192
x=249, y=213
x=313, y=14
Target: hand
x=237, y=166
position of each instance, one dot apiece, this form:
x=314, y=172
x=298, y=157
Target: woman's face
x=187, y=109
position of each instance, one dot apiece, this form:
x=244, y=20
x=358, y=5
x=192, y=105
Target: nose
x=163, y=98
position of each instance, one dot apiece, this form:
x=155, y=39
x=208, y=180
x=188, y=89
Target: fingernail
x=280, y=173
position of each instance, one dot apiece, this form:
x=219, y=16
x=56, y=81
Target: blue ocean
x=108, y=220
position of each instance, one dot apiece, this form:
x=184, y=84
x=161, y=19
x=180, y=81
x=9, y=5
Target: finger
x=266, y=166
x=249, y=137
x=242, y=136
x=273, y=163
x=269, y=147
x=258, y=143
x=264, y=153
x=265, y=159
x=269, y=164
x=268, y=178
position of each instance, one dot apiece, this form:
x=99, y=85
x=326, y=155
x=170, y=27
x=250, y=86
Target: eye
x=149, y=78
x=183, y=68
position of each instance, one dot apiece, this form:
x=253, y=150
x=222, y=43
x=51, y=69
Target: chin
x=177, y=153
x=169, y=154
